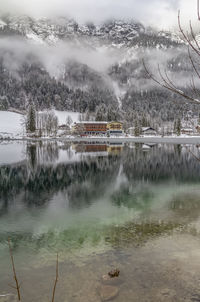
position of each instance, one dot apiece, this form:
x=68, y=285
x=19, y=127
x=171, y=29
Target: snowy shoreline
x=12, y=129
x=146, y=140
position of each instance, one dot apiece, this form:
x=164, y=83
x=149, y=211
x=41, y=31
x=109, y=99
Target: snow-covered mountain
x=102, y=67
x=118, y=33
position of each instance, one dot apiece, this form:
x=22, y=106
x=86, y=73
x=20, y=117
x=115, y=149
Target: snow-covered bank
x=11, y=125
x=145, y=140
x=63, y=115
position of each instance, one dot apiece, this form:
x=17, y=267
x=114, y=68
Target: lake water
x=101, y=206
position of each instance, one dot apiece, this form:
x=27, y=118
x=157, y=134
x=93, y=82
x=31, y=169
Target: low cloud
x=15, y=52
x=159, y=13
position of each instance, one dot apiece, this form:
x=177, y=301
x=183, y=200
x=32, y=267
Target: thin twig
x=186, y=38
x=169, y=86
x=14, y=272
x=193, y=36
x=193, y=65
x=56, y=281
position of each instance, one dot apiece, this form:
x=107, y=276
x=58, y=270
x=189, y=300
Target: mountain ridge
x=122, y=84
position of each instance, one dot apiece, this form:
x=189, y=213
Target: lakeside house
x=149, y=131
x=188, y=131
x=144, y=131
x=98, y=128
x=115, y=129
x=198, y=128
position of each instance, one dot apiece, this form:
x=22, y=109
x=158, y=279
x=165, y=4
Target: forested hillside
x=89, y=68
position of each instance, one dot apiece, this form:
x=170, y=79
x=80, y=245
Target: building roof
x=187, y=129
x=147, y=128
x=91, y=122
x=97, y=122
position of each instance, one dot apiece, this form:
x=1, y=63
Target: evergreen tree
x=175, y=126
x=4, y=104
x=31, y=119
x=137, y=129
x=178, y=127
x=101, y=113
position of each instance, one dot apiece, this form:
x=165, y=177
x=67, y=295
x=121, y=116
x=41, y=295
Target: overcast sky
x=159, y=13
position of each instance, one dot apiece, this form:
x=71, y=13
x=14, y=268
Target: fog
x=158, y=13
x=15, y=52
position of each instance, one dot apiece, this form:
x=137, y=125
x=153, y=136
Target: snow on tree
x=31, y=119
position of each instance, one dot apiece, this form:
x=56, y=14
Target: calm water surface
x=134, y=206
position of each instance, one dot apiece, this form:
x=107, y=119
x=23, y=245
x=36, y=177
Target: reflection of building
x=115, y=148
x=98, y=149
x=90, y=148
x=98, y=128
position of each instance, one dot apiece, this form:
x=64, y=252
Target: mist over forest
x=89, y=68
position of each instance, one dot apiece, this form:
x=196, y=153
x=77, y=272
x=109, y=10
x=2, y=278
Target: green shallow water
x=133, y=207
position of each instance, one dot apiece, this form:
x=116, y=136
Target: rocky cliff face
x=115, y=33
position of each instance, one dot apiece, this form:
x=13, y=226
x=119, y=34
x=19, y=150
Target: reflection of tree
x=82, y=181
x=36, y=182
x=178, y=149
x=161, y=164
x=31, y=155
x=41, y=152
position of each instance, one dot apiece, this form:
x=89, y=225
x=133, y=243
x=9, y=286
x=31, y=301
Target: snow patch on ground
x=11, y=125
x=62, y=116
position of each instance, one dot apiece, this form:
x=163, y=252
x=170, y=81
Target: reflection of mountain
x=161, y=164
x=37, y=182
x=83, y=180
x=106, y=201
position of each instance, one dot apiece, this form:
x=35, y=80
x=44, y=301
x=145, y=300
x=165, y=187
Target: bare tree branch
x=186, y=38
x=196, y=157
x=198, y=9
x=56, y=281
x=193, y=36
x=166, y=84
x=192, y=62
x=14, y=272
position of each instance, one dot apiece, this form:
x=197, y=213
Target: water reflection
x=97, y=199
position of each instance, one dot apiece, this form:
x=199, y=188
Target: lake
x=129, y=206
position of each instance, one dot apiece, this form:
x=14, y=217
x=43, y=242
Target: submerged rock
x=167, y=295
x=114, y=273
x=108, y=292
x=107, y=280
